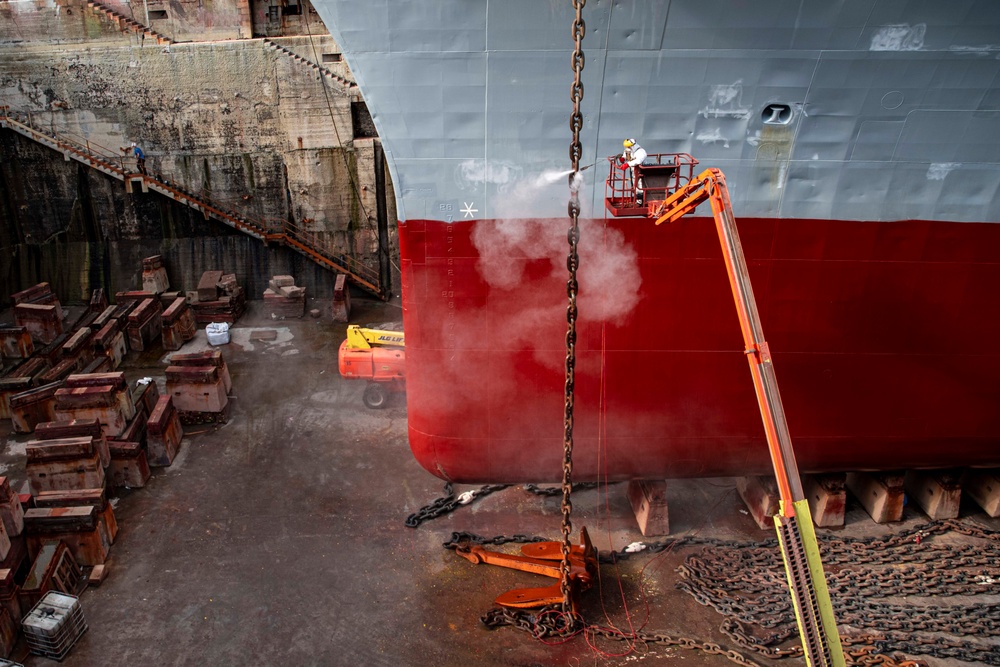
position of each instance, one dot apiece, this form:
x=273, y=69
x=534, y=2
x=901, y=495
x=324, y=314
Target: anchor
x=544, y=558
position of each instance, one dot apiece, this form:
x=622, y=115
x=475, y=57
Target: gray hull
x=851, y=110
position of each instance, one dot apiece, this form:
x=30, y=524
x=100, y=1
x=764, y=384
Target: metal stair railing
x=119, y=166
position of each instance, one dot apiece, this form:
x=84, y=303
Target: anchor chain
x=449, y=503
x=876, y=586
x=572, y=263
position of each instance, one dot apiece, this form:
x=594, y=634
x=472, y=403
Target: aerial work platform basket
x=637, y=192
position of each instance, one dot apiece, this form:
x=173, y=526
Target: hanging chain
x=572, y=262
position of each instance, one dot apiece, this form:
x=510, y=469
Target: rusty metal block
x=69, y=399
x=178, y=324
x=40, y=293
x=105, y=317
x=32, y=407
x=80, y=346
x=10, y=386
x=98, y=301
x=9, y=593
x=208, y=286
x=53, y=351
x=145, y=394
x=135, y=430
x=205, y=358
x=129, y=468
x=205, y=397
x=341, y=300
x=5, y=543
x=58, y=474
x=43, y=322
x=62, y=369
x=163, y=433
x=115, y=380
x=10, y=628
x=11, y=512
x=75, y=428
x=78, y=527
x=95, y=498
x=144, y=325
x=16, y=343
x=112, y=343
x=100, y=364
x=53, y=568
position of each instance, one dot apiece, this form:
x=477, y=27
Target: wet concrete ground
x=278, y=538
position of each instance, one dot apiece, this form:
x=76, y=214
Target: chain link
x=449, y=503
x=572, y=263
x=746, y=584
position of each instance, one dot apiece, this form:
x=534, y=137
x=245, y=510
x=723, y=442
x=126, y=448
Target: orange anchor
x=543, y=558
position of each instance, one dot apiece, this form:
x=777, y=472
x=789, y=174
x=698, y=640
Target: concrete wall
x=236, y=121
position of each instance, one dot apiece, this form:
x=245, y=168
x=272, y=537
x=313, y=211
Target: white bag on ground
x=218, y=333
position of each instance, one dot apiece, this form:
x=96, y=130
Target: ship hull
x=883, y=336
x=859, y=140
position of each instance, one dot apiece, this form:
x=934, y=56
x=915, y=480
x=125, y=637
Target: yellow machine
x=375, y=355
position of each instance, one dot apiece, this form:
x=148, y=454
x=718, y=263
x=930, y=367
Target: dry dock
x=279, y=539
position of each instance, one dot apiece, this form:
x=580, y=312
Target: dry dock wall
x=236, y=121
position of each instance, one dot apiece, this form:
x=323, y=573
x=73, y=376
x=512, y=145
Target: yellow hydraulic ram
x=799, y=549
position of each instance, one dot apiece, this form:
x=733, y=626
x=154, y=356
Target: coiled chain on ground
x=925, y=567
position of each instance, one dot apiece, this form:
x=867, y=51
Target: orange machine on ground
x=375, y=355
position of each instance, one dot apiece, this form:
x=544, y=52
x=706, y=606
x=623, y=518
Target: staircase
x=125, y=24
x=118, y=166
x=344, y=82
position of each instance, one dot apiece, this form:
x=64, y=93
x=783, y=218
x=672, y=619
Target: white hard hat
x=628, y=143
x=133, y=143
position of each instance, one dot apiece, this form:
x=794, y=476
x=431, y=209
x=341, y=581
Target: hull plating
x=883, y=337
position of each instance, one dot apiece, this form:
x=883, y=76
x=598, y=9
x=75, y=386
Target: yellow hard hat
x=628, y=143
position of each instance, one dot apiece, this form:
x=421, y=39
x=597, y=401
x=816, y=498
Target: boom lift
x=799, y=548
x=376, y=355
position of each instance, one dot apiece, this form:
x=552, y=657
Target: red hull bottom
x=883, y=337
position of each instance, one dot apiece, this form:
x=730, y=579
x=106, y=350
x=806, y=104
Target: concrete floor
x=278, y=538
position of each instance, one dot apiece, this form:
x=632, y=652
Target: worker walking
x=633, y=157
x=140, y=157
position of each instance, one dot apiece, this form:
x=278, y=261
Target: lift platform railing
x=123, y=167
x=659, y=175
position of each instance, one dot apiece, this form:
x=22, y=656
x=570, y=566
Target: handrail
x=117, y=165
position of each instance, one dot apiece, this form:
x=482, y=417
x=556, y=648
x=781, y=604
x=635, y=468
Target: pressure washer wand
x=588, y=166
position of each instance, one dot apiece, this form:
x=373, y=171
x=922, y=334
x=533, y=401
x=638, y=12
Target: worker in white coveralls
x=633, y=156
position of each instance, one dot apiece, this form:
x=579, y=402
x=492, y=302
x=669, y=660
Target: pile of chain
x=906, y=594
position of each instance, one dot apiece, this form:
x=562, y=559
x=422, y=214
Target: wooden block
x=760, y=494
x=827, y=495
x=938, y=492
x=881, y=494
x=983, y=486
x=649, y=503
x=98, y=574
